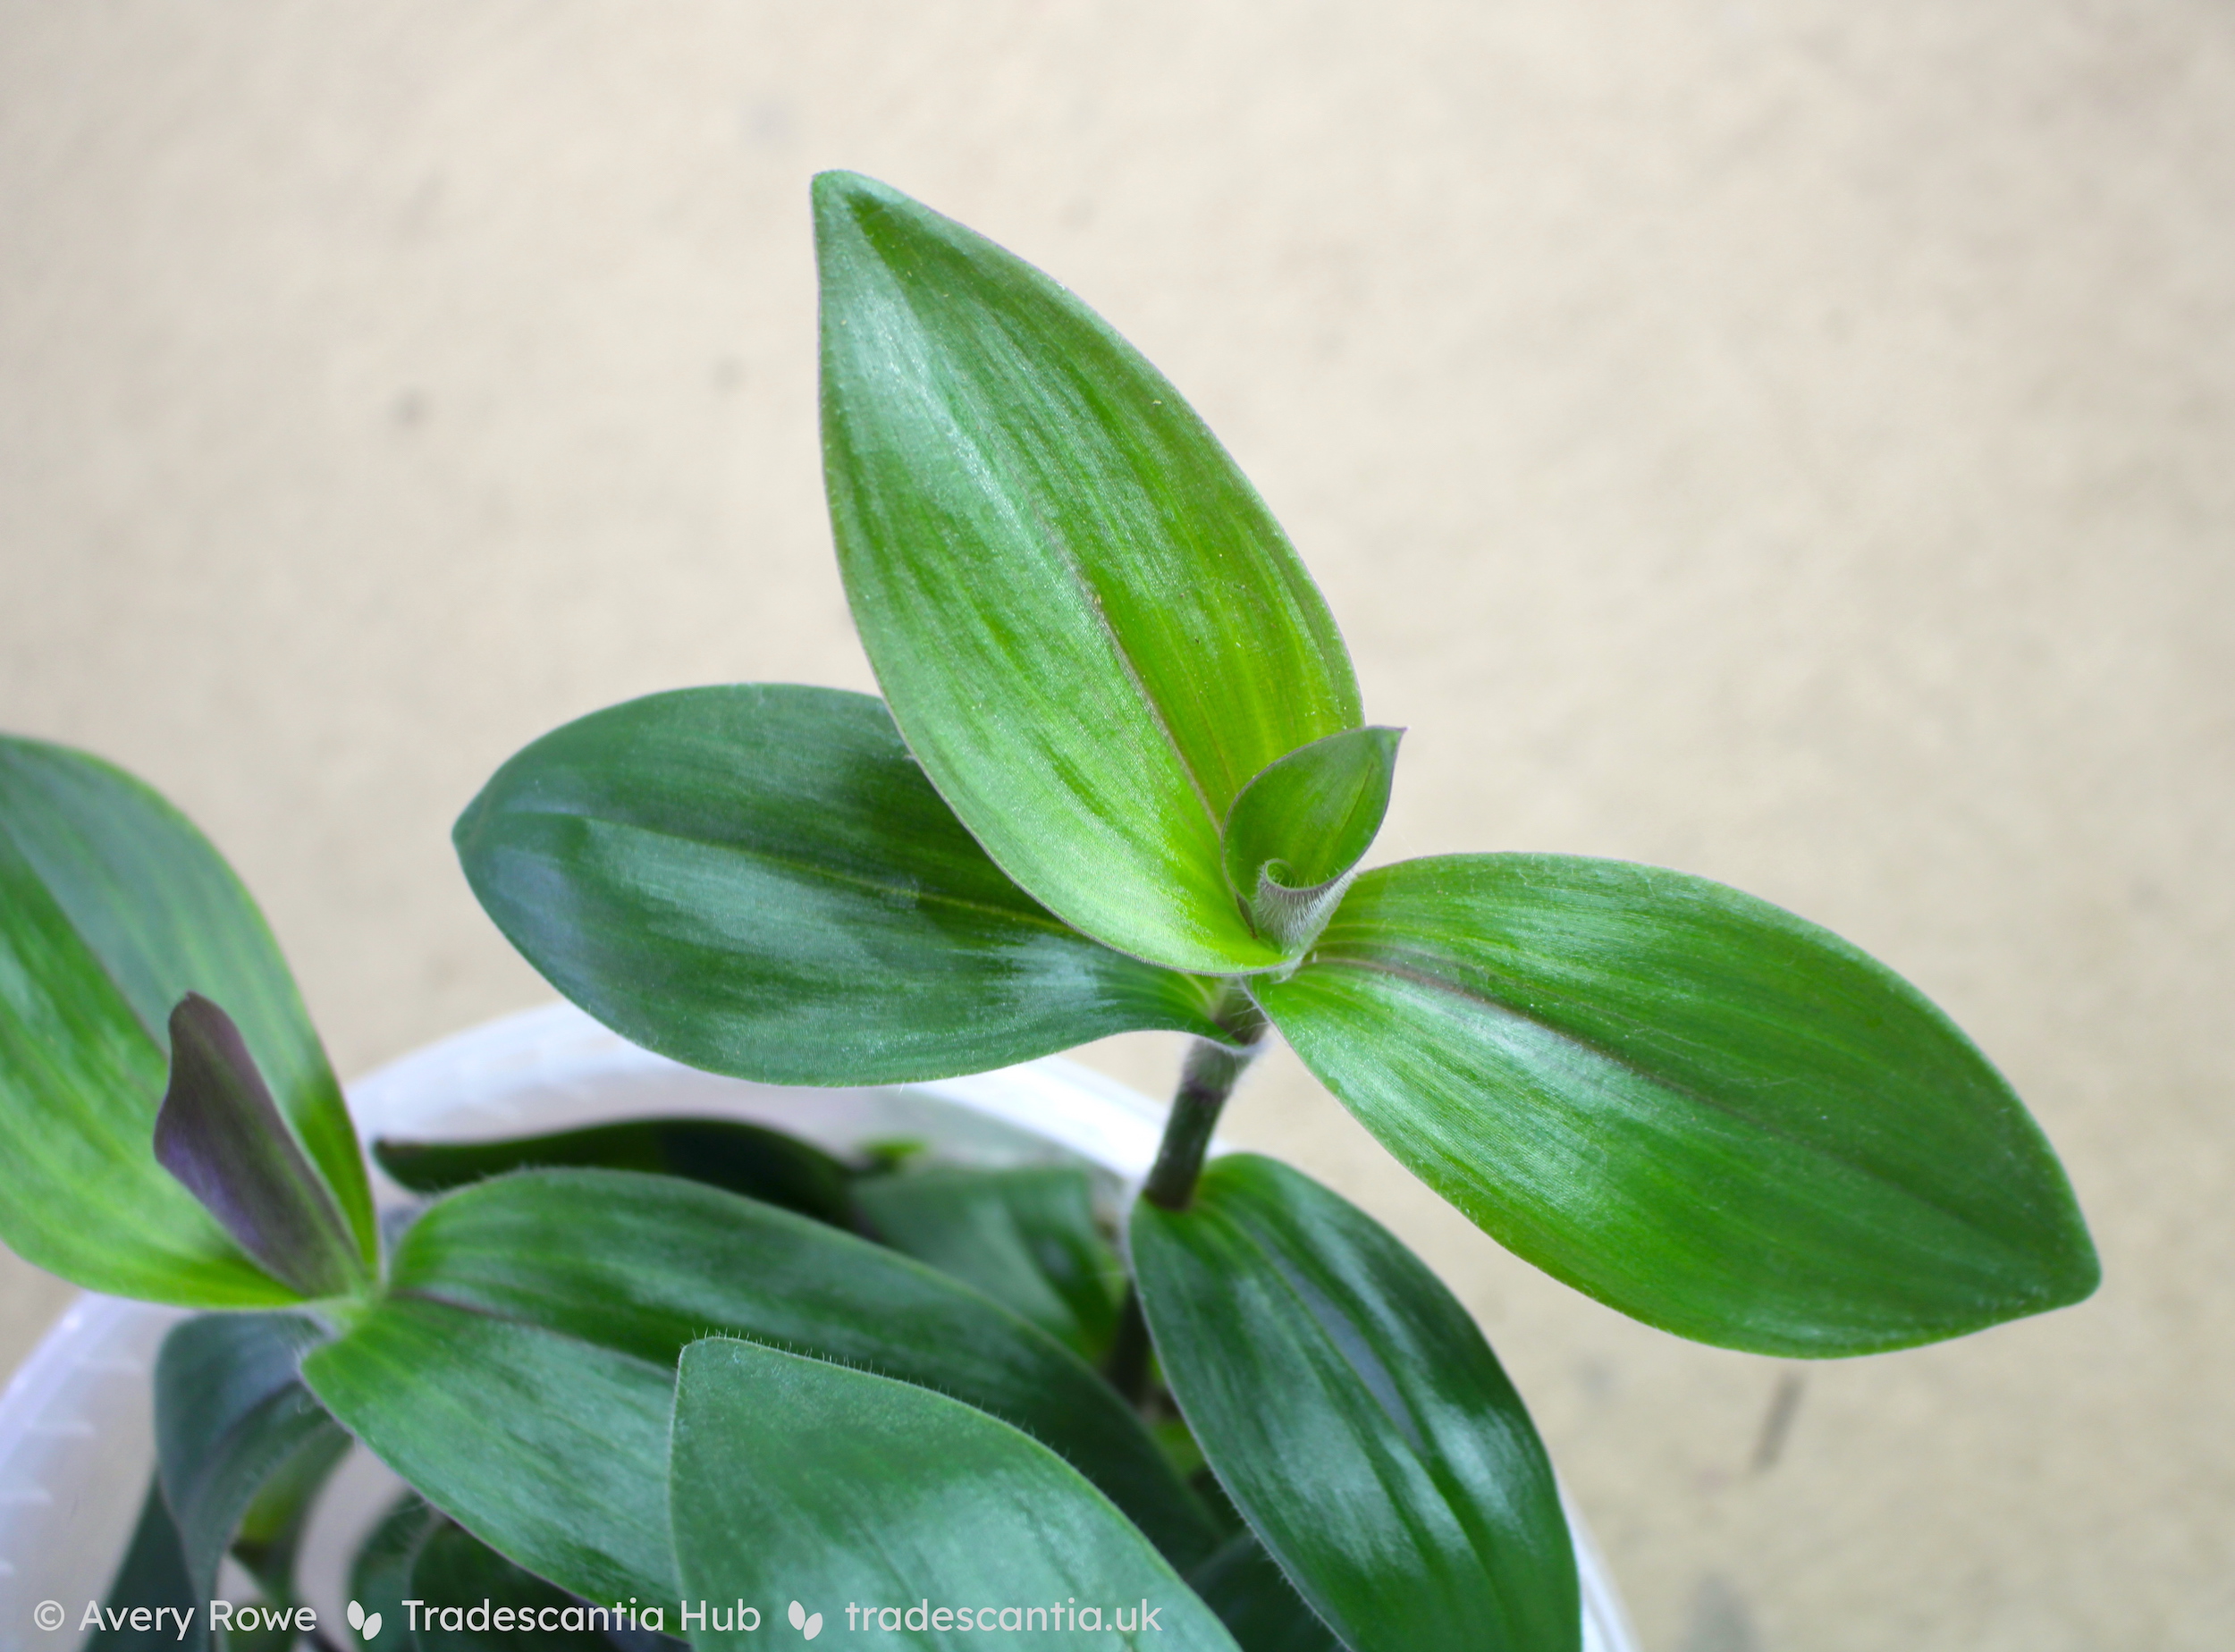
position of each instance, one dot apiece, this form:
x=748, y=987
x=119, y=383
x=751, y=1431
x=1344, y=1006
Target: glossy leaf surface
x=1356, y=1416
x=1260, y=1608
x=1302, y=822
x=760, y=1163
x=551, y=1449
x=794, y=1480
x=233, y=1420
x=644, y=1265
x=112, y=908
x=220, y=1133
x=1090, y=628
x=1026, y=1237
x=1699, y=1109
x=759, y=880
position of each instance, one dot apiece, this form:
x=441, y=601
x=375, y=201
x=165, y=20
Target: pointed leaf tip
x=221, y=1134
x=1091, y=630
x=1703, y=1110
x=1301, y=825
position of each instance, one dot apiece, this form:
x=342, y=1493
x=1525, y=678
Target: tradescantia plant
x=1120, y=779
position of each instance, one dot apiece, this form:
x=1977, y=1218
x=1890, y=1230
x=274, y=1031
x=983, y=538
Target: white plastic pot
x=76, y=1432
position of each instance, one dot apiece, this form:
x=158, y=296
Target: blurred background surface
x=1783, y=440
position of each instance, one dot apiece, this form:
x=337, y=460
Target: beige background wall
x=1784, y=439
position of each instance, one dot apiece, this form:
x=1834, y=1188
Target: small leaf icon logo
x=366, y=1623
x=809, y=1624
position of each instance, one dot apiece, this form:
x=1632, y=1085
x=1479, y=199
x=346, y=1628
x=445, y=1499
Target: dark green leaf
x=759, y=880
x=220, y=1133
x=500, y=1607
x=112, y=908
x=1091, y=630
x=1301, y=824
x=1028, y=1238
x=380, y=1577
x=1260, y=1607
x=644, y=1265
x=1356, y=1416
x=1696, y=1108
x=233, y=1418
x=551, y=1450
x=751, y=1159
x=798, y=1480
x=152, y=1579
x=272, y=1530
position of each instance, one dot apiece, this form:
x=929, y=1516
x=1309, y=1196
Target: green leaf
x=241, y=1445
x=380, y=1576
x=1260, y=1608
x=752, y=1159
x=1356, y=1416
x=498, y=1604
x=152, y=1580
x=551, y=1449
x=1028, y=1238
x=759, y=880
x=1302, y=823
x=644, y=1265
x=1686, y=1102
x=1091, y=630
x=112, y=908
x=220, y=1133
x=801, y=1481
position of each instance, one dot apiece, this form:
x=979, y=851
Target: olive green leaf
x=112, y=908
x=220, y=1133
x=1696, y=1107
x=1091, y=630
x=826, y=1488
x=1026, y=1237
x=769, y=1164
x=759, y=880
x=1301, y=824
x=1356, y=1417
x=643, y=1265
x=241, y=1446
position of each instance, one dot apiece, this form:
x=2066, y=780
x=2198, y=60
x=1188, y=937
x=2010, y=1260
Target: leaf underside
x=112, y=908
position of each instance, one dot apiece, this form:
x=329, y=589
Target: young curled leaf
x=1090, y=628
x=113, y=908
x=1302, y=823
x=220, y=1133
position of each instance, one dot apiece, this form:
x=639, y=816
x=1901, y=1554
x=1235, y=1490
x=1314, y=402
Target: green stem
x=1206, y=1079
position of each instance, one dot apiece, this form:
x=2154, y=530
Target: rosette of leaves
x=1121, y=777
